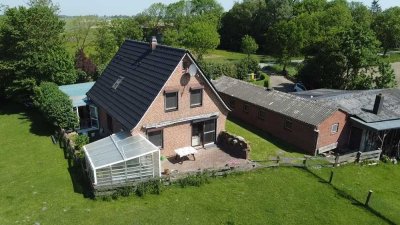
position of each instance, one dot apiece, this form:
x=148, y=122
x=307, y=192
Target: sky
x=132, y=7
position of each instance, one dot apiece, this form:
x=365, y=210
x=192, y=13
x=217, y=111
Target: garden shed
x=121, y=158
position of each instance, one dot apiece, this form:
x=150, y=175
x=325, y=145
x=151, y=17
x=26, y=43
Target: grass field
x=37, y=187
x=383, y=180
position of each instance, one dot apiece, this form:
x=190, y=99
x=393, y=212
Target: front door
x=203, y=132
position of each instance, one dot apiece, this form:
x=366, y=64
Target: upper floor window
x=334, y=128
x=261, y=114
x=288, y=124
x=196, y=97
x=171, y=101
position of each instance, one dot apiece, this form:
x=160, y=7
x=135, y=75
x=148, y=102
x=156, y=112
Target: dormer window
x=116, y=84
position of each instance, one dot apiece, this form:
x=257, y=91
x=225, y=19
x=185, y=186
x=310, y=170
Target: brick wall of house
x=326, y=137
x=301, y=135
x=104, y=125
x=179, y=135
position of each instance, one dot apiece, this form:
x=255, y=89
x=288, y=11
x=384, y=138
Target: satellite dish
x=192, y=70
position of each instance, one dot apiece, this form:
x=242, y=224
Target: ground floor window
x=203, y=132
x=288, y=124
x=156, y=137
x=261, y=114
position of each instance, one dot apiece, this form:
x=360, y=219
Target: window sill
x=196, y=106
x=171, y=110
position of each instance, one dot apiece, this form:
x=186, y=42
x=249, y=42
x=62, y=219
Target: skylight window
x=116, y=84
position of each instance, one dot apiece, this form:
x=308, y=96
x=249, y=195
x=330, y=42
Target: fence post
x=277, y=160
x=336, y=161
x=305, y=162
x=331, y=177
x=368, y=197
x=358, y=159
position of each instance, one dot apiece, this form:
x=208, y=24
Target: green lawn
x=383, y=180
x=218, y=55
x=36, y=186
x=262, y=144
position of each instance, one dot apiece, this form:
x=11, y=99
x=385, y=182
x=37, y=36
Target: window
x=334, y=128
x=196, y=97
x=288, y=124
x=209, y=131
x=261, y=114
x=246, y=108
x=171, y=101
x=156, y=137
x=232, y=103
x=116, y=84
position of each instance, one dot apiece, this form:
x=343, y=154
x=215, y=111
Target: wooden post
x=277, y=160
x=336, y=161
x=305, y=162
x=368, y=197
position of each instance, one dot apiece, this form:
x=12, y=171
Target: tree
x=126, y=28
x=375, y=8
x=32, y=49
x=246, y=66
x=286, y=37
x=81, y=27
x=346, y=61
x=201, y=37
x=85, y=65
x=387, y=78
x=55, y=105
x=249, y=45
x=105, y=44
x=387, y=28
x=153, y=19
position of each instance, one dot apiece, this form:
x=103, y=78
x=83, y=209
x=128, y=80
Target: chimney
x=378, y=104
x=153, y=44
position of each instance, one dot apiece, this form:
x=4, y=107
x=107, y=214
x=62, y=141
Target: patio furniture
x=185, y=151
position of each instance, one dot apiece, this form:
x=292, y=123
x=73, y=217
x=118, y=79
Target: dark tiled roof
x=289, y=105
x=361, y=103
x=144, y=74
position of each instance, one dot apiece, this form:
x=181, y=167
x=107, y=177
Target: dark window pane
x=288, y=124
x=171, y=100
x=209, y=137
x=196, y=97
x=261, y=114
x=209, y=125
x=334, y=128
x=156, y=137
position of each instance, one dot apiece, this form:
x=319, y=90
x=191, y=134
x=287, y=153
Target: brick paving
x=210, y=158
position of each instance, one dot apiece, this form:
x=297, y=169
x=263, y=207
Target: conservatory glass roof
x=117, y=148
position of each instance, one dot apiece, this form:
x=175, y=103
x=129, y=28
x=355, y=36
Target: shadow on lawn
x=274, y=140
x=39, y=126
x=79, y=180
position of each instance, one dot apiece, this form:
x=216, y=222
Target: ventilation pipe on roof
x=378, y=104
x=153, y=43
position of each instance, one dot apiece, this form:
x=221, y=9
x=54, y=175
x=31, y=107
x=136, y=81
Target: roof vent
x=378, y=104
x=116, y=84
x=153, y=44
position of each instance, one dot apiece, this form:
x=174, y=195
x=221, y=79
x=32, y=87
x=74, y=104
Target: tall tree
x=387, y=28
x=126, y=28
x=81, y=26
x=376, y=8
x=201, y=37
x=32, y=49
x=249, y=45
x=105, y=44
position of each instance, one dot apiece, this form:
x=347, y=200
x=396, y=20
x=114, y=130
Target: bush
x=262, y=75
x=55, y=105
x=80, y=141
x=194, y=180
x=214, y=70
x=266, y=82
x=246, y=66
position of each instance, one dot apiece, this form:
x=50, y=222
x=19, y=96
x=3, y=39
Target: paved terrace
x=210, y=158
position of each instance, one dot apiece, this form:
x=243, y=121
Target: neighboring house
x=312, y=128
x=84, y=108
x=374, y=117
x=154, y=92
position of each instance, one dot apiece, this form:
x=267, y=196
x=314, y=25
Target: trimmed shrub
x=246, y=66
x=80, y=141
x=194, y=180
x=55, y=105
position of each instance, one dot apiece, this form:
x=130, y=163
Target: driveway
x=276, y=81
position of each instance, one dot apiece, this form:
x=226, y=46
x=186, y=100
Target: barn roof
x=288, y=105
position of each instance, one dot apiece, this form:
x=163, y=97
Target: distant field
x=37, y=187
x=223, y=56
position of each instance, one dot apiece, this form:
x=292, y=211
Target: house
x=311, y=127
x=84, y=108
x=373, y=117
x=156, y=93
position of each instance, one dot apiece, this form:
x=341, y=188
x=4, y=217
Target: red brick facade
x=176, y=135
x=306, y=137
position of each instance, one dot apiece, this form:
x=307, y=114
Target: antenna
x=192, y=70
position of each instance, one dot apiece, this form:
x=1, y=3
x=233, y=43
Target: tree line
x=339, y=40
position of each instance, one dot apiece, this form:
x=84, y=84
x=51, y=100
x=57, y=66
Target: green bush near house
x=214, y=70
x=55, y=105
x=80, y=140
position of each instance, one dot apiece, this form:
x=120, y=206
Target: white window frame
x=94, y=117
x=337, y=128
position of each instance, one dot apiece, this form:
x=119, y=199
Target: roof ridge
x=158, y=45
